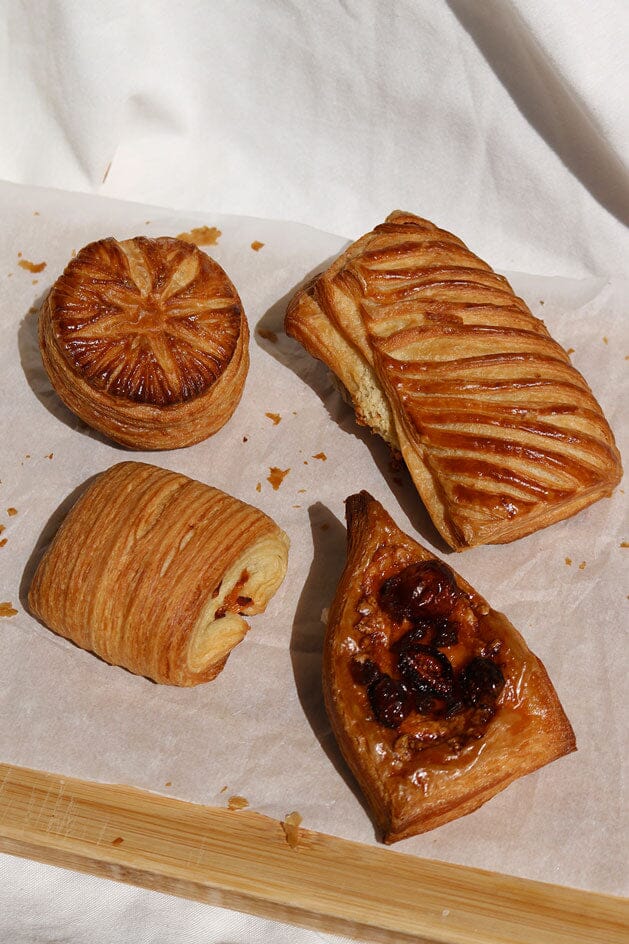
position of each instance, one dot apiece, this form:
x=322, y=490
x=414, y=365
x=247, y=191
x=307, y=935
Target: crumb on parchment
x=569, y=561
x=7, y=609
x=256, y=245
x=320, y=455
x=31, y=266
x=277, y=476
x=290, y=825
x=201, y=236
x=274, y=417
x=582, y=565
x=237, y=803
x=3, y=542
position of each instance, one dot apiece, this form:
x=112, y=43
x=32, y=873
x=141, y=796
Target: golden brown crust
x=433, y=766
x=501, y=435
x=146, y=340
x=153, y=571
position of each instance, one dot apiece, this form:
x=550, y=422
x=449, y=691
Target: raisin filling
x=421, y=600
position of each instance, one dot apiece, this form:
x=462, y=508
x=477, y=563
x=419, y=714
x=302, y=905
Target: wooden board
x=242, y=860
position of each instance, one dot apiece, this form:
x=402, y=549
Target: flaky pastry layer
x=154, y=572
x=443, y=758
x=500, y=433
x=146, y=340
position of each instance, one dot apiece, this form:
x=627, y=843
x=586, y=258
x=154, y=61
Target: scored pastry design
x=500, y=433
x=146, y=340
x=435, y=700
x=154, y=572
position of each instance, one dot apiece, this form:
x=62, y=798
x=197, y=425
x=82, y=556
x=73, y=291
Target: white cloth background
x=504, y=121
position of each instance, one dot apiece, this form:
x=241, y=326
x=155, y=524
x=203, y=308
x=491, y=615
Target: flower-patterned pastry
x=500, y=433
x=146, y=340
x=435, y=699
x=154, y=572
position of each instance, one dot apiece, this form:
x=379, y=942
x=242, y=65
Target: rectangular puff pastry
x=154, y=572
x=500, y=433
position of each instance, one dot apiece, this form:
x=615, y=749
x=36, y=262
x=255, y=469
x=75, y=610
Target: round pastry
x=146, y=340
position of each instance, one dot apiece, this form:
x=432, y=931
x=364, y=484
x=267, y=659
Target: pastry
x=146, y=340
x=434, y=698
x=500, y=433
x=154, y=572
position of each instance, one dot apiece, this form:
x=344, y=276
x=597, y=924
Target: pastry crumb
x=301, y=491
x=35, y=282
x=222, y=790
x=201, y=236
x=570, y=351
x=50, y=455
x=582, y=565
x=3, y=542
x=259, y=487
x=168, y=783
x=277, y=476
x=541, y=301
x=624, y=543
x=2, y=528
x=7, y=609
x=274, y=417
x=320, y=455
x=256, y=245
x=290, y=825
x=31, y=266
x=245, y=439
x=267, y=335
x=237, y=803
x=569, y=561
x=117, y=841
x=605, y=340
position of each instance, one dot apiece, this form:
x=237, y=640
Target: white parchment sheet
x=260, y=730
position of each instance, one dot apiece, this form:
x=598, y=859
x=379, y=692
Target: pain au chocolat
x=146, y=340
x=500, y=433
x=435, y=700
x=154, y=572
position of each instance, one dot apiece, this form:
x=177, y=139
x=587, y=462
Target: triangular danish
x=436, y=702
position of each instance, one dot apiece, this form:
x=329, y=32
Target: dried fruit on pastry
x=154, y=572
x=434, y=698
x=146, y=340
x=500, y=433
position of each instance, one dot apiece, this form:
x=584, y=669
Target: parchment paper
x=259, y=730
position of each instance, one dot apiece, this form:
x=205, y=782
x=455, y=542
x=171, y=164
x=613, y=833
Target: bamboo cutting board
x=242, y=860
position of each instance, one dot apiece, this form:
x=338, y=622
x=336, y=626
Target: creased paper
x=259, y=730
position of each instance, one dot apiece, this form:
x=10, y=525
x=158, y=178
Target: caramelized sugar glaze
x=435, y=699
x=500, y=433
x=139, y=337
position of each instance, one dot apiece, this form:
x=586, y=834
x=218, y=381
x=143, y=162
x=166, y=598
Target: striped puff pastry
x=500, y=433
x=154, y=572
x=146, y=340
